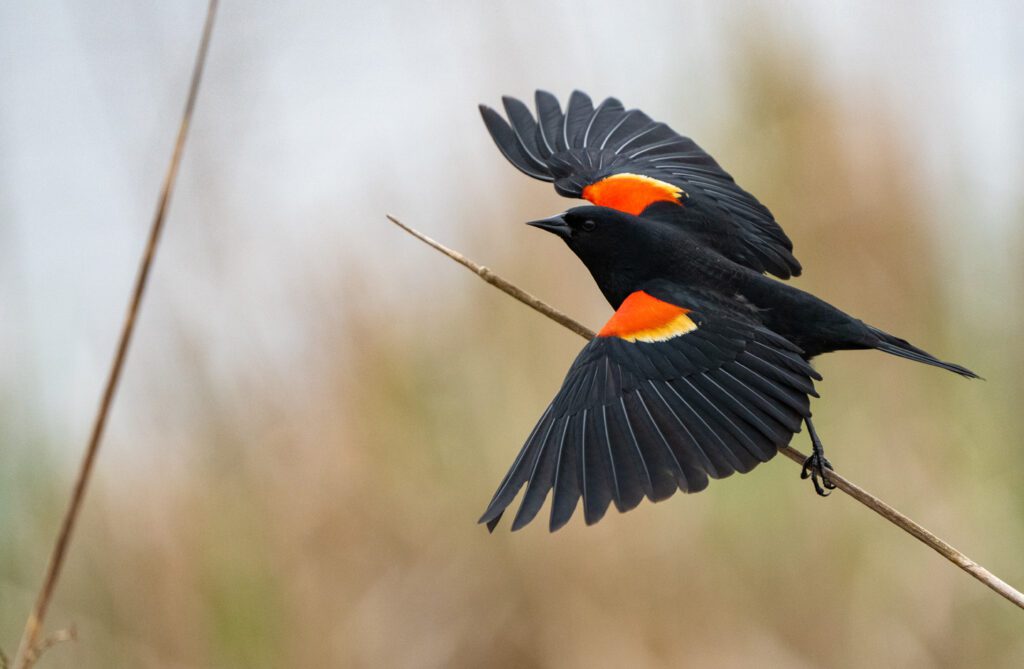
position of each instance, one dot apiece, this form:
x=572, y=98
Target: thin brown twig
x=496, y=281
x=27, y=649
x=940, y=546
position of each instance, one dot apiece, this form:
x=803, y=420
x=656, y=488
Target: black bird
x=704, y=369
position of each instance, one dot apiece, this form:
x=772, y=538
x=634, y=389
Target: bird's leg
x=815, y=465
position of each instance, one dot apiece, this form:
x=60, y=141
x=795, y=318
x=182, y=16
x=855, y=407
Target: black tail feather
x=904, y=349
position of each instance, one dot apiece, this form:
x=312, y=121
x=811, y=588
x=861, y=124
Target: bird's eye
x=588, y=225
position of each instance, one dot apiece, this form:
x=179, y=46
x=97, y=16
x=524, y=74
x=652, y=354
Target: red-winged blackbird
x=703, y=370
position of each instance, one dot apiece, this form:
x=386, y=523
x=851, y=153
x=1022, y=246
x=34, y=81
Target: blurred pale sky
x=317, y=117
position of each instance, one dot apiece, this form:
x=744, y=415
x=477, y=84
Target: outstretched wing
x=622, y=159
x=663, y=398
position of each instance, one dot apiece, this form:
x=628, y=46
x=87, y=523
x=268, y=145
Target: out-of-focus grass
x=324, y=515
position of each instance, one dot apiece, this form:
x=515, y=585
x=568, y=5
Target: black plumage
x=704, y=369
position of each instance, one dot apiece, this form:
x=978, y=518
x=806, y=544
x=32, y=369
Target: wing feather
x=628, y=453
x=510, y=146
x=600, y=484
x=525, y=129
x=578, y=113
x=639, y=419
x=688, y=454
x=566, y=493
x=585, y=145
x=549, y=120
x=542, y=476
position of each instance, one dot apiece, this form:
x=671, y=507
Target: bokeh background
x=317, y=407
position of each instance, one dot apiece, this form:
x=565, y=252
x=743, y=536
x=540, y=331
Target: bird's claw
x=814, y=469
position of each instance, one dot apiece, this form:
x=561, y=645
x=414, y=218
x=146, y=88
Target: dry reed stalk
x=29, y=648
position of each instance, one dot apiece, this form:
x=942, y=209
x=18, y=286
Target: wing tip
x=558, y=523
x=579, y=95
x=492, y=116
x=493, y=522
x=512, y=104
x=521, y=521
x=491, y=515
x=504, y=137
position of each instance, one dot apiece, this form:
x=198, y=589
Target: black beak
x=555, y=224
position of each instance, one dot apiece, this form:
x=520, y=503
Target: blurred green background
x=317, y=407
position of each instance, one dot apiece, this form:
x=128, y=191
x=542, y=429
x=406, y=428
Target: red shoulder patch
x=643, y=318
x=631, y=193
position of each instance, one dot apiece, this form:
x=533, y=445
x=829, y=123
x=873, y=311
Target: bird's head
x=619, y=249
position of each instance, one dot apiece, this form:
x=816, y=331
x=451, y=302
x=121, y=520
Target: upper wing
x=622, y=159
x=661, y=399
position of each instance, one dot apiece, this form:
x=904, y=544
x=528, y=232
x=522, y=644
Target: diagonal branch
x=856, y=492
x=28, y=650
